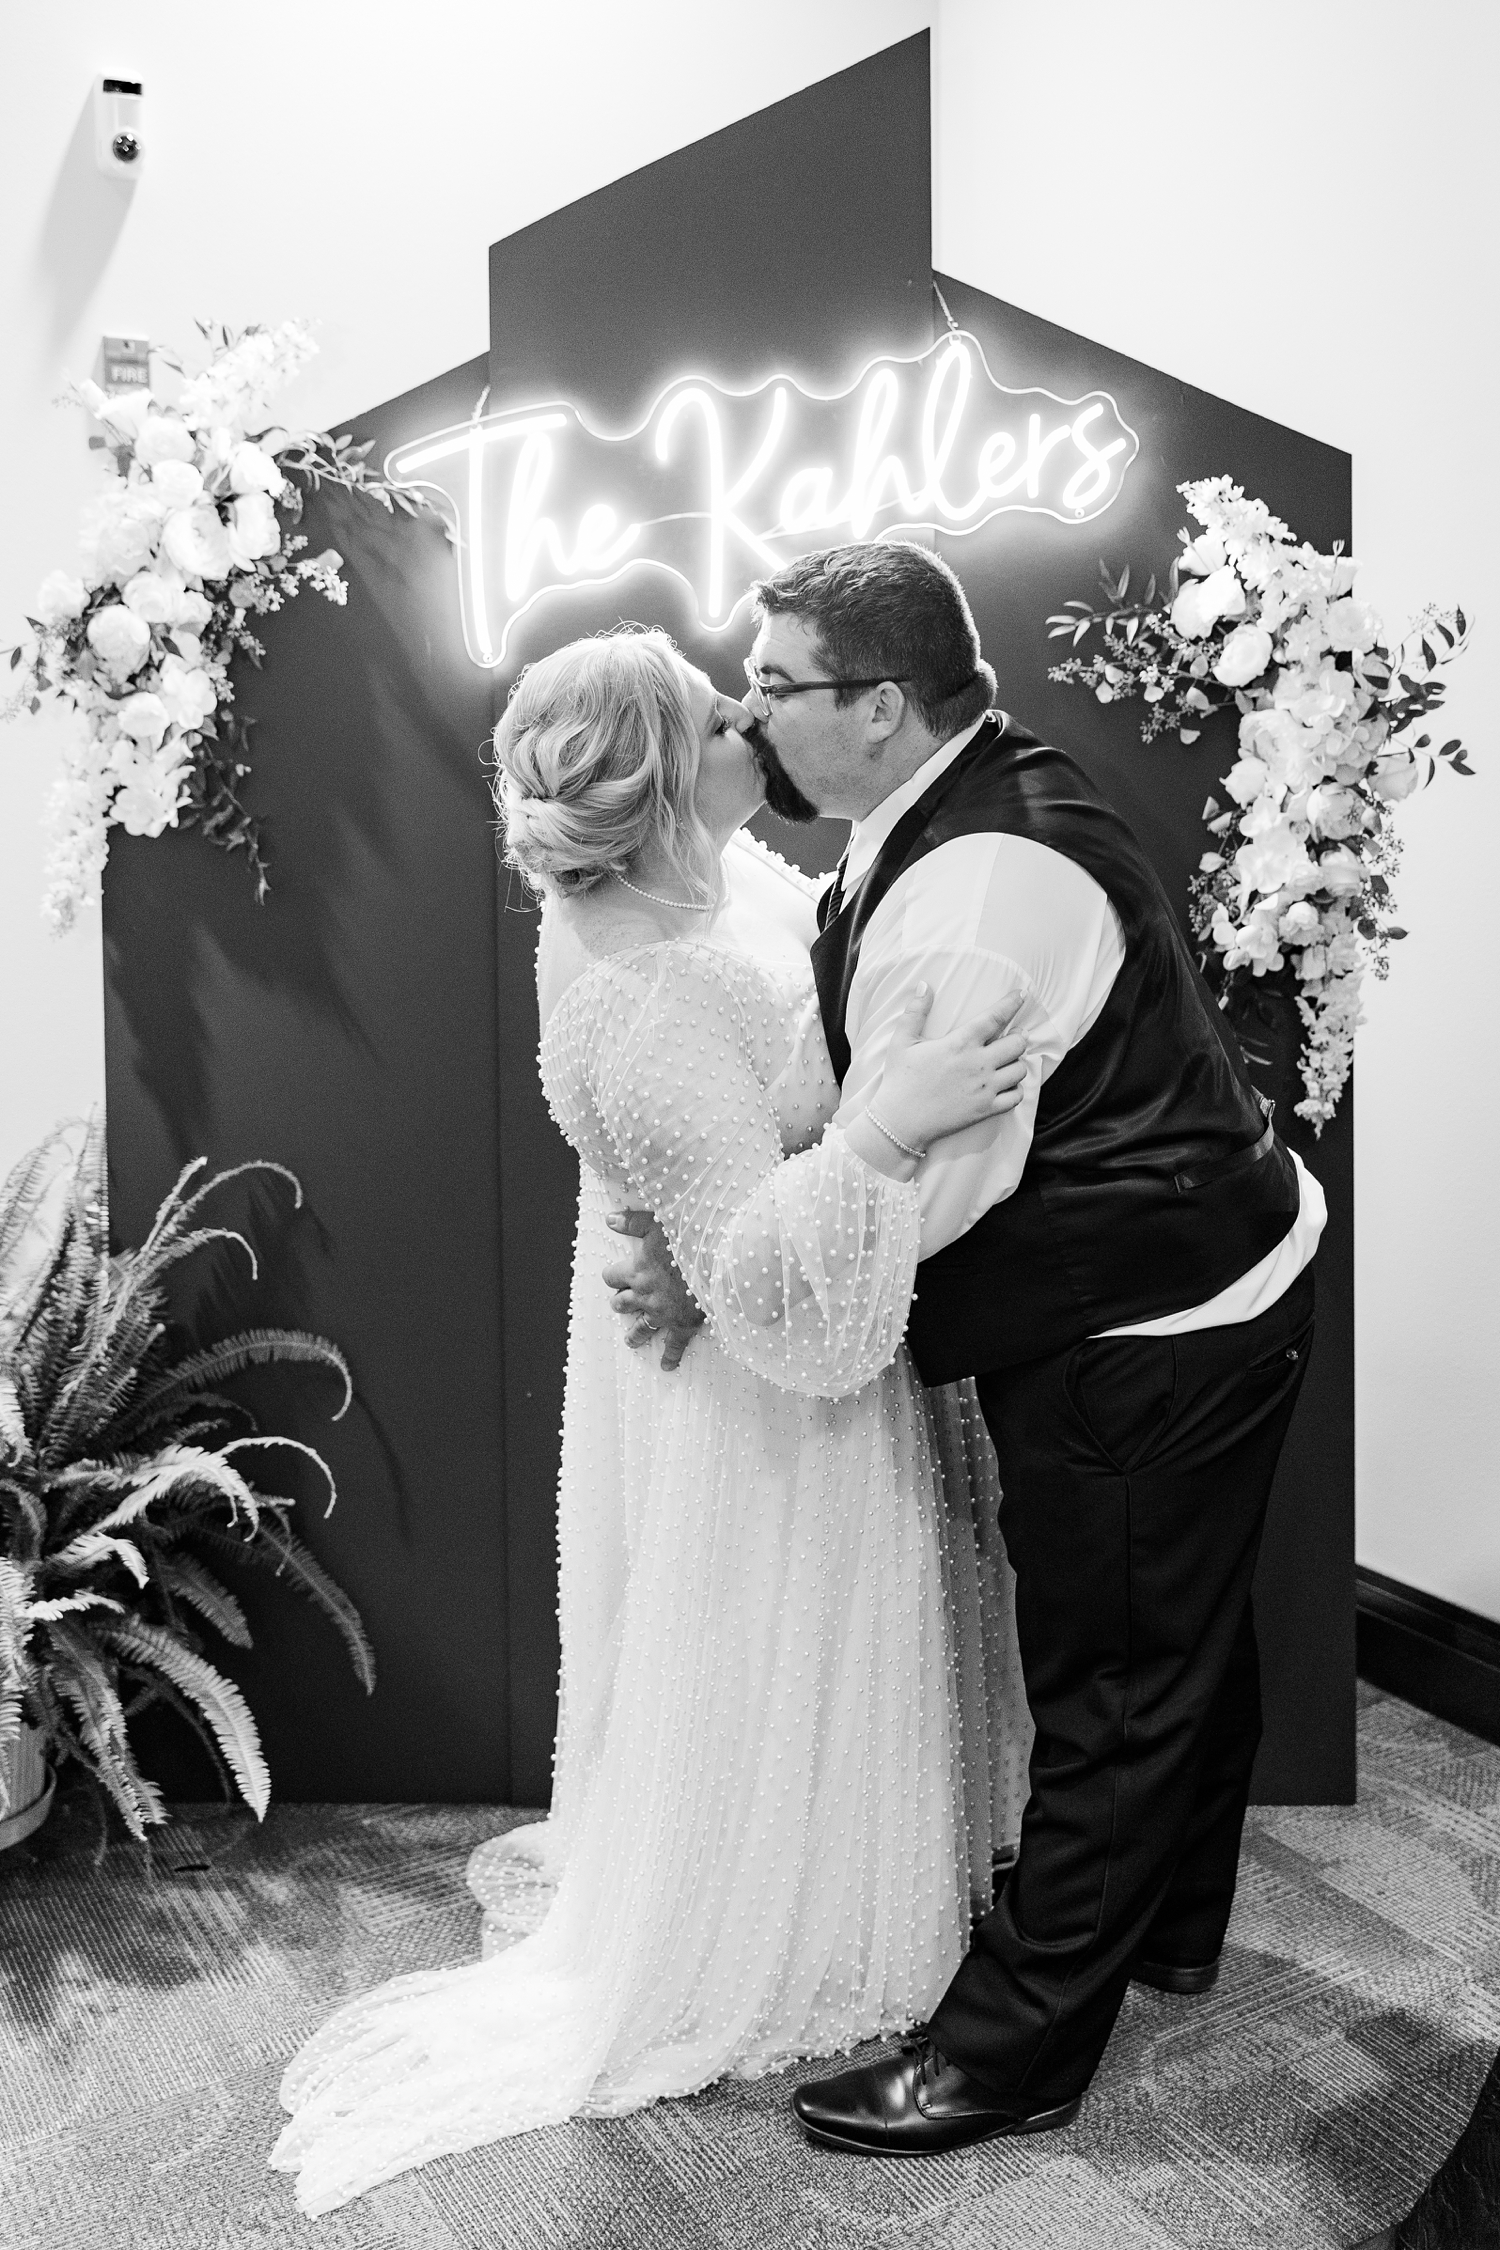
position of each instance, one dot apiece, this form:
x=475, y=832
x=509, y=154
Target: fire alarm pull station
x=124, y=364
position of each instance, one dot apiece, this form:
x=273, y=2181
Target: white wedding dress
x=791, y=1735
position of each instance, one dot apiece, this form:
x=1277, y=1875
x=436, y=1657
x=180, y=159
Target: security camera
x=118, y=143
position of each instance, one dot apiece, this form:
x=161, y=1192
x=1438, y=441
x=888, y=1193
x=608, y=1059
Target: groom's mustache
x=782, y=794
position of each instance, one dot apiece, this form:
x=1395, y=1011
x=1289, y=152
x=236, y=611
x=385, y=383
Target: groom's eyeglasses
x=766, y=694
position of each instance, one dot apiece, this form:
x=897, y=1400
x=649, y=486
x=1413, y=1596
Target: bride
x=773, y=1802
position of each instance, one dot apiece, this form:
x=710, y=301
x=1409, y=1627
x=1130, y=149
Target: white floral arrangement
x=1299, y=889
x=191, y=537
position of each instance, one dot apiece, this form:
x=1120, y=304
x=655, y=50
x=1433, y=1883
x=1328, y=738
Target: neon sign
x=718, y=487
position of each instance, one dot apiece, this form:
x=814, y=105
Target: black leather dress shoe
x=1177, y=1976
x=912, y=2103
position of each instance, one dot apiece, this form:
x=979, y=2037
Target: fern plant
x=127, y=1483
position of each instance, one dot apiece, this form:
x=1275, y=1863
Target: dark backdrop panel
x=375, y=1025
x=1019, y=570
x=796, y=240
x=347, y=1029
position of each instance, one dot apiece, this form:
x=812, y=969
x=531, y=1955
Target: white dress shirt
x=979, y=918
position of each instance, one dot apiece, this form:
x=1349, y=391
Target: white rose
x=164, y=437
x=1199, y=607
x=253, y=529
x=178, y=483
x=1341, y=874
x=251, y=469
x=188, y=693
x=197, y=542
x=1351, y=625
x=144, y=718
x=1244, y=656
x=1278, y=741
x=60, y=598
x=193, y=610
x=187, y=645
x=1299, y=923
x=126, y=536
x=1395, y=776
x=119, y=639
x=152, y=597
x=1332, y=811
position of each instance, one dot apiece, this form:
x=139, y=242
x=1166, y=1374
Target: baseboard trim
x=1444, y=1659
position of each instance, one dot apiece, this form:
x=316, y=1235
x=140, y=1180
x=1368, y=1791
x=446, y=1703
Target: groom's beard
x=782, y=794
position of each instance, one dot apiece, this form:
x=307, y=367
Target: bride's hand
x=932, y=1087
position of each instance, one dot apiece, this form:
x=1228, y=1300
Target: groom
x=1123, y=1263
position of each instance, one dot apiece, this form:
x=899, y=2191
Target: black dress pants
x=1135, y=1472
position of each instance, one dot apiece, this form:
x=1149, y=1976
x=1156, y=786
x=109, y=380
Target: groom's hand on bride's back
x=647, y=1290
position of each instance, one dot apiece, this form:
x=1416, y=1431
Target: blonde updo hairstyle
x=595, y=759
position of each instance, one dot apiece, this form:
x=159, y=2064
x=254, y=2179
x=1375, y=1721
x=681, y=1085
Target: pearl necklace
x=681, y=906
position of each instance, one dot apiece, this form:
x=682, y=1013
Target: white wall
x=1290, y=207
x=1294, y=206
x=349, y=165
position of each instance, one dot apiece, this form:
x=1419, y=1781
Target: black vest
x=1155, y=1177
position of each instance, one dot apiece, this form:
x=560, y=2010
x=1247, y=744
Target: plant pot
x=31, y=1782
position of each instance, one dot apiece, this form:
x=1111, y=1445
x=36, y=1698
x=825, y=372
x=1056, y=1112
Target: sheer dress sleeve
x=805, y=1265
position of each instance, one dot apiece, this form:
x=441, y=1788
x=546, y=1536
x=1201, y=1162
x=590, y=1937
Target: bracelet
x=916, y=1154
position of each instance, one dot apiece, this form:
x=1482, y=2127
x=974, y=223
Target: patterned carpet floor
x=145, y=2017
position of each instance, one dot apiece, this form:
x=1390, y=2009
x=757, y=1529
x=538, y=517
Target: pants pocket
x=1287, y=1355
x=1123, y=1389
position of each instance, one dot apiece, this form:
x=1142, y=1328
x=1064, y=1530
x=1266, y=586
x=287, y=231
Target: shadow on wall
x=85, y=215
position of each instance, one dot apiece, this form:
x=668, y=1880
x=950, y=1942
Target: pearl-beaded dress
x=791, y=1735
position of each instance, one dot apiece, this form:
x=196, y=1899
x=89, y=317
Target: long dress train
x=764, y=1842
